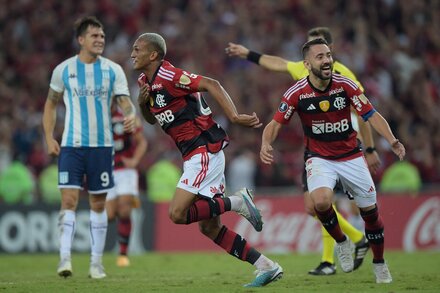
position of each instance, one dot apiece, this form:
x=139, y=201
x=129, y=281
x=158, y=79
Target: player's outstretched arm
x=216, y=90
x=382, y=127
x=270, y=133
x=270, y=62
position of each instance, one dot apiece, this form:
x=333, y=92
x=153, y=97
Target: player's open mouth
x=326, y=69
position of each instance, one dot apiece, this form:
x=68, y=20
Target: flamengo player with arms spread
x=322, y=101
x=172, y=97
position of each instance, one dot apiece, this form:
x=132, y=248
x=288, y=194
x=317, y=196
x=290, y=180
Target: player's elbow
x=233, y=118
x=209, y=85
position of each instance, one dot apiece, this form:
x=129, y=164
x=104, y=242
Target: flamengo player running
x=172, y=97
x=322, y=101
x=129, y=150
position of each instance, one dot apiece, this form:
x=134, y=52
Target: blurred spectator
x=48, y=185
x=392, y=45
x=241, y=171
x=16, y=184
x=162, y=179
x=401, y=176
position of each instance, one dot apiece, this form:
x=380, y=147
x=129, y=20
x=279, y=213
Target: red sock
x=204, y=209
x=124, y=231
x=236, y=245
x=374, y=232
x=330, y=222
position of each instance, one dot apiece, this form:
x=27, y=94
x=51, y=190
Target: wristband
x=370, y=150
x=254, y=57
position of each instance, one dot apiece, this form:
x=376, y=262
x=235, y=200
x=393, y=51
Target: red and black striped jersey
x=325, y=116
x=124, y=144
x=181, y=110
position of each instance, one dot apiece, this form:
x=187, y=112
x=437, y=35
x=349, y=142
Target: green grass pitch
x=213, y=272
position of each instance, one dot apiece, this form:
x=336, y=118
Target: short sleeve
x=56, y=82
x=120, y=87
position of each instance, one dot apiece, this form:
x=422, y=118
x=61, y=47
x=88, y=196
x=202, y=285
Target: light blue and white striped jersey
x=88, y=92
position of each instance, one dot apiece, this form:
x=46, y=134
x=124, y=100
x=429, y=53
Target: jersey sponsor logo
x=336, y=91
x=328, y=127
x=283, y=107
x=160, y=100
x=85, y=92
x=311, y=107
x=324, y=105
x=165, y=117
x=339, y=103
x=72, y=75
x=289, y=112
x=307, y=96
x=156, y=86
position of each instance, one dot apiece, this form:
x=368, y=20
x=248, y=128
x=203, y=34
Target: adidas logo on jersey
x=311, y=107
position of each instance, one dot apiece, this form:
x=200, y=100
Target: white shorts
x=126, y=183
x=203, y=174
x=353, y=174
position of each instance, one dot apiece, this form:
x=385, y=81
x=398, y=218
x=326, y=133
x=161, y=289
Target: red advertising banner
x=411, y=223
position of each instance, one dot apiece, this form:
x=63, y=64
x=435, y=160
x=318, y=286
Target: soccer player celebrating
x=172, y=97
x=297, y=70
x=322, y=101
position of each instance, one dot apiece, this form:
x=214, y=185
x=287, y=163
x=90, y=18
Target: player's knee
x=68, y=203
x=322, y=205
x=177, y=216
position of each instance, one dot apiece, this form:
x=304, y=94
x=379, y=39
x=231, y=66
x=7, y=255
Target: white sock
x=236, y=202
x=66, y=227
x=98, y=232
x=263, y=263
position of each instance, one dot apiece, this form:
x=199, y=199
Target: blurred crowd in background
x=393, y=46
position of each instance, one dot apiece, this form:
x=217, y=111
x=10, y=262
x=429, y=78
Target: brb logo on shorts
x=328, y=127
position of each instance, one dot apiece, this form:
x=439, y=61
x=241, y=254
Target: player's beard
x=318, y=72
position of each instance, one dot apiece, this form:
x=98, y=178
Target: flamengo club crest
x=324, y=105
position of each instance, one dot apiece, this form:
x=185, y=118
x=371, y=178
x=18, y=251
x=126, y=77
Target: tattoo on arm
x=54, y=96
x=126, y=105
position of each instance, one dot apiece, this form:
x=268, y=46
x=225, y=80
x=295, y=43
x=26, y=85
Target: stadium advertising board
x=412, y=223
x=33, y=228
